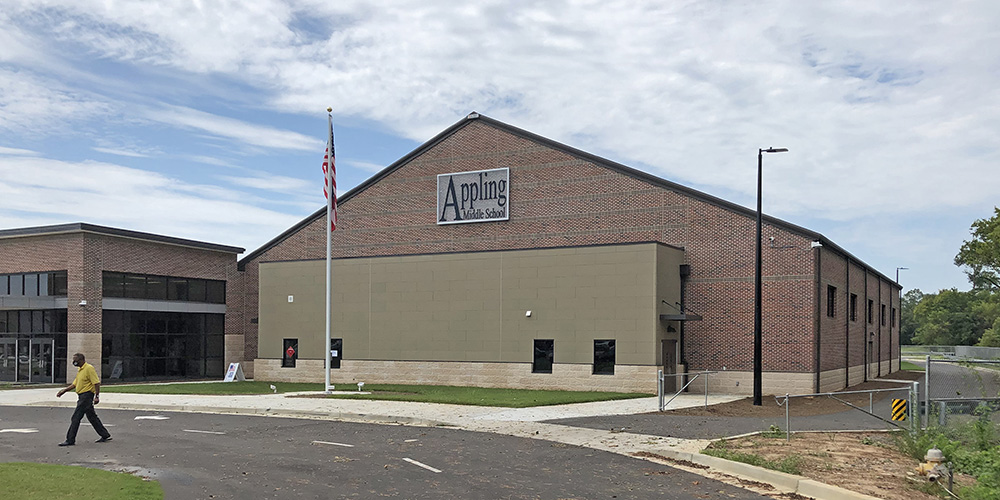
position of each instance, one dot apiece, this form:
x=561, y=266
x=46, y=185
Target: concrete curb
x=788, y=482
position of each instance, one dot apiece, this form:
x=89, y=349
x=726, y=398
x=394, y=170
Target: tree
x=991, y=337
x=949, y=318
x=981, y=256
x=908, y=326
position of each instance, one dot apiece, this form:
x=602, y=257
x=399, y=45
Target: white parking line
x=19, y=431
x=410, y=440
x=152, y=417
x=334, y=444
x=203, y=432
x=418, y=464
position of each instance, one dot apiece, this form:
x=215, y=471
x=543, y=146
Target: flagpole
x=331, y=192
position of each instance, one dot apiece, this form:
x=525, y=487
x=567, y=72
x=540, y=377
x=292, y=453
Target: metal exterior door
x=668, y=358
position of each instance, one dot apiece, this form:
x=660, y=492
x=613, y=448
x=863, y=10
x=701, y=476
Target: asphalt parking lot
x=197, y=455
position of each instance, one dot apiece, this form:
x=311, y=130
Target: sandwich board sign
x=234, y=373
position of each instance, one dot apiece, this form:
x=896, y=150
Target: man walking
x=88, y=390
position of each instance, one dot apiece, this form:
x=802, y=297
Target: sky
x=205, y=119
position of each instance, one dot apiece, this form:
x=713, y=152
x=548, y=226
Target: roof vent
x=472, y=116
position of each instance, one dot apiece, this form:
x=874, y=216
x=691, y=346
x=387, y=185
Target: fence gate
x=962, y=389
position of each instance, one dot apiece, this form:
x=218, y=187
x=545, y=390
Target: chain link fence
x=958, y=391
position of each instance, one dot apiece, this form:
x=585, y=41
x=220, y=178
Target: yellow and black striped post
x=899, y=409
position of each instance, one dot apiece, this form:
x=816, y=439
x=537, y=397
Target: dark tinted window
x=177, y=289
x=215, y=323
x=604, y=357
x=216, y=292
x=831, y=301
x=135, y=286
x=114, y=284
x=58, y=284
x=4, y=285
x=156, y=287
x=544, y=350
x=854, y=307
x=196, y=290
x=3, y=321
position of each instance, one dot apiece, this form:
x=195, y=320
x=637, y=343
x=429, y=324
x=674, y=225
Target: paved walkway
x=596, y=425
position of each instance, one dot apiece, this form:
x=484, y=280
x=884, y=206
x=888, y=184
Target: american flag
x=330, y=177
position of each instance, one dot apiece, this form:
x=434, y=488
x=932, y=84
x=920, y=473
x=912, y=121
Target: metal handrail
x=659, y=385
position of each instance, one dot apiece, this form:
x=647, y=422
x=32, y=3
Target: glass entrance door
x=23, y=361
x=8, y=360
x=42, y=361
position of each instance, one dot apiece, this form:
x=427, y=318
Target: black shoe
x=103, y=440
x=66, y=443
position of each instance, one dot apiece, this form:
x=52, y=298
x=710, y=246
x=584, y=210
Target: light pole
x=757, y=285
x=897, y=272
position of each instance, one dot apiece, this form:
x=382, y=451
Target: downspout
x=817, y=264
x=864, y=336
x=878, y=338
x=685, y=272
x=847, y=328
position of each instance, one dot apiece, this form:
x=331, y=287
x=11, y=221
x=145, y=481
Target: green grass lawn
x=214, y=388
x=511, y=398
x=28, y=481
x=481, y=396
x=906, y=365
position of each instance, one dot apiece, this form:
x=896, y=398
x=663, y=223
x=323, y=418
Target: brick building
x=140, y=306
x=573, y=272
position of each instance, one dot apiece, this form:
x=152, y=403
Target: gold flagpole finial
x=329, y=110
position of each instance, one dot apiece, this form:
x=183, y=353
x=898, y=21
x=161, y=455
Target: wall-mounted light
x=83, y=303
x=291, y=298
x=527, y=314
x=815, y=244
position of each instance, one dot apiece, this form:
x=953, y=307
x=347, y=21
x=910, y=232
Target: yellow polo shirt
x=86, y=377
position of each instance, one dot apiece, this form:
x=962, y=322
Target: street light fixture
x=897, y=272
x=758, y=285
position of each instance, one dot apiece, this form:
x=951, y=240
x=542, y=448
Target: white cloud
x=104, y=193
x=120, y=152
x=275, y=183
x=17, y=152
x=251, y=134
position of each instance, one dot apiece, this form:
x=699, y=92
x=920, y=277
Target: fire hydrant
x=934, y=467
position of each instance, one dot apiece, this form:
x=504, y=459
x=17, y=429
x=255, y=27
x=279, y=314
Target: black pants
x=85, y=406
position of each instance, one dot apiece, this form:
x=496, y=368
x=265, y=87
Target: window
x=114, y=284
x=892, y=318
x=289, y=352
x=542, y=362
x=216, y=291
x=871, y=310
x=156, y=287
x=31, y=285
x=58, y=284
x=135, y=286
x=196, y=290
x=17, y=284
x=854, y=307
x=4, y=285
x=177, y=289
x=336, y=352
x=882, y=315
x=604, y=357
x=831, y=301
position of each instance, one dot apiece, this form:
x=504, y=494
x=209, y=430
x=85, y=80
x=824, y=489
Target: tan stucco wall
x=471, y=307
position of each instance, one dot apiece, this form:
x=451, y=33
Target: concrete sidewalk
x=519, y=422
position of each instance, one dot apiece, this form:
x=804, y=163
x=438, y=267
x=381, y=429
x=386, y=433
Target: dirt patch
x=864, y=462
x=803, y=407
